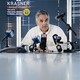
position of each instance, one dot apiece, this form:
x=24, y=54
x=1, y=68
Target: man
x=43, y=26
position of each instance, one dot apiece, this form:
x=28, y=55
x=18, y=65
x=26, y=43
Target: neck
x=45, y=30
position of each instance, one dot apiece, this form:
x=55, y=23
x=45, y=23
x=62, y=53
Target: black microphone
x=43, y=41
x=60, y=16
x=57, y=39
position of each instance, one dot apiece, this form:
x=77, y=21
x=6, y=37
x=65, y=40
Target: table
x=40, y=66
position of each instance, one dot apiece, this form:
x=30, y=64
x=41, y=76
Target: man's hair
x=41, y=12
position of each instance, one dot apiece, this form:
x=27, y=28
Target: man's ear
x=36, y=23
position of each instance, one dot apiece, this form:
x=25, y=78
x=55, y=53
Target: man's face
x=43, y=23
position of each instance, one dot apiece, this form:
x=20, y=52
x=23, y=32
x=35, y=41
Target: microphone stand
x=6, y=39
x=69, y=28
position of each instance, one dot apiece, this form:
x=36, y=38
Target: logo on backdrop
x=26, y=12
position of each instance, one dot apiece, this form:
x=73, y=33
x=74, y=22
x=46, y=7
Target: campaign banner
x=18, y=8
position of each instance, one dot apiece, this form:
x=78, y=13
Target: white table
x=39, y=66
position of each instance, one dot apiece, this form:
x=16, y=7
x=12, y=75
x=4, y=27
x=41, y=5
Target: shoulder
x=56, y=29
x=33, y=29
x=54, y=26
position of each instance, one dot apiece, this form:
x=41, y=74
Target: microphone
x=43, y=41
x=35, y=41
x=9, y=33
x=60, y=16
x=57, y=39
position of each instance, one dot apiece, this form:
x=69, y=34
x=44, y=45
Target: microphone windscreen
x=60, y=16
x=43, y=41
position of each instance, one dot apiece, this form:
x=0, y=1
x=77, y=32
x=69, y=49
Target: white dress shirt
x=35, y=31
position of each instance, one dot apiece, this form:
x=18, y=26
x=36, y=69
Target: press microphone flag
x=36, y=39
x=60, y=16
x=56, y=38
x=9, y=33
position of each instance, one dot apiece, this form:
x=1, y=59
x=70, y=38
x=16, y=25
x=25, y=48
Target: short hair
x=41, y=12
